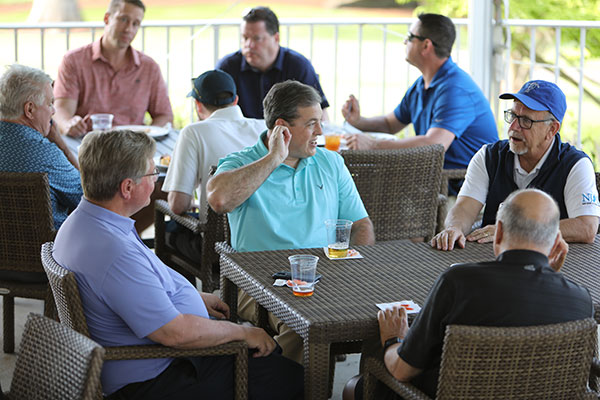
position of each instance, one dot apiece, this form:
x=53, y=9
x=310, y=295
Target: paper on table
x=351, y=254
x=410, y=306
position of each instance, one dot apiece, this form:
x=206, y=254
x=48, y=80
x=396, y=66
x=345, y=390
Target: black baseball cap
x=207, y=86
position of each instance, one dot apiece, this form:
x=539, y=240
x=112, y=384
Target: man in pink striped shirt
x=110, y=76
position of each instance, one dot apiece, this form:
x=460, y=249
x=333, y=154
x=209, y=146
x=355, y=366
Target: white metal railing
x=360, y=56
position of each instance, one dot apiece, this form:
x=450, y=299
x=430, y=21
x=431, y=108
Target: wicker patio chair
x=535, y=362
x=25, y=224
x=70, y=312
x=55, y=362
x=215, y=229
x=399, y=189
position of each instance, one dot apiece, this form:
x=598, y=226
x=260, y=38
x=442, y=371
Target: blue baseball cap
x=541, y=96
x=210, y=84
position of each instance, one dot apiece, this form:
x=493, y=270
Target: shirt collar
x=442, y=72
x=278, y=64
x=97, y=53
x=120, y=222
x=229, y=113
x=524, y=258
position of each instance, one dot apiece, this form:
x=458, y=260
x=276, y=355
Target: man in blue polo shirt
x=279, y=192
x=444, y=105
x=262, y=62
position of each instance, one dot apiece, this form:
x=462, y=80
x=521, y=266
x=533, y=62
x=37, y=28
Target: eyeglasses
x=410, y=36
x=153, y=174
x=524, y=122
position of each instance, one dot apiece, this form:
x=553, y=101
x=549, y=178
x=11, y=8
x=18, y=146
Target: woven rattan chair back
x=399, y=189
x=55, y=362
x=26, y=222
x=66, y=293
x=537, y=362
x=216, y=229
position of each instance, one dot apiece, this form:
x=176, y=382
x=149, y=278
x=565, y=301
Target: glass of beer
x=332, y=141
x=338, y=237
x=304, y=269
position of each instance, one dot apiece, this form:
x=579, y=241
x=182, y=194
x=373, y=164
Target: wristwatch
x=391, y=341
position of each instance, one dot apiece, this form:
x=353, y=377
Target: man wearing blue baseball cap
x=222, y=129
x=533, y=156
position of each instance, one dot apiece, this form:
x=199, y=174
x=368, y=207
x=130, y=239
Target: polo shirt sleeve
x=477, y=181
x=581, y=193
x=351, y=206
x=425, y=338
x=230, y=162
x=182, y=175
x=403, y=110
x=453, y=110
x=159, y=103
x=135, y=293
x=67, y=82
x=63, y=178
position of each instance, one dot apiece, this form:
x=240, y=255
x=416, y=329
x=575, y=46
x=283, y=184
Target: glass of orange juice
x=332, y=142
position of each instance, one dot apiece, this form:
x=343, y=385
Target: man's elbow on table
x=582, y=229
x=362, y=232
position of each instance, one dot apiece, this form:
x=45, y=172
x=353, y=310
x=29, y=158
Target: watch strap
x=391, y=341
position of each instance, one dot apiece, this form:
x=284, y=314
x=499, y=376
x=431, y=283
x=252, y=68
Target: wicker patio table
x=343, y=306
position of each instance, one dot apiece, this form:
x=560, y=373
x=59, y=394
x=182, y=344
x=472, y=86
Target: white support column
x=480, y=42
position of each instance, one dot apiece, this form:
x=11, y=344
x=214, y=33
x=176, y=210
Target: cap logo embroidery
x=531, y=86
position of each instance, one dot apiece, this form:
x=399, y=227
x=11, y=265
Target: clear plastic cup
x=101, y=122
x=304, y=269
x=338, y=237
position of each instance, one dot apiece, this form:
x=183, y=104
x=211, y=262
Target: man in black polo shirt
x=519, y=288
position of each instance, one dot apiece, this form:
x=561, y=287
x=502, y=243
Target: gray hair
x=18, y=85
x=107, y=158
x=520, y=227
x=284, y=99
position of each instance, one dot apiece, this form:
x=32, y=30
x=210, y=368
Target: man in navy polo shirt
x=533, y=156
x=262, y=62
x=444, y=105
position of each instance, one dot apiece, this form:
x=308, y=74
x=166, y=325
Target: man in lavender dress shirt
x=131, y=298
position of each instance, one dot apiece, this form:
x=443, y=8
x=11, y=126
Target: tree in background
x=54, y=11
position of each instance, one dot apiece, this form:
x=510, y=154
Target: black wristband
x=391, y=341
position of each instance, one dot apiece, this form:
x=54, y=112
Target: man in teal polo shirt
x=279, y=192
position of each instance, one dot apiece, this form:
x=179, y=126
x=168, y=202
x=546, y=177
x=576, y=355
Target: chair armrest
x=374, y=370
x=224, y=248
x=191, y=223
x=157, y=351
x=442, y=199
x=454, y=173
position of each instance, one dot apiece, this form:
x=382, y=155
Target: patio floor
x=344, y=370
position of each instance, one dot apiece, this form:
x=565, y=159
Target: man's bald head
x=530, y=218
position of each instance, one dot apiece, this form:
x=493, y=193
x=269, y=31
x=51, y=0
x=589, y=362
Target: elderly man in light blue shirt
x=279, y=192
x=131, y=298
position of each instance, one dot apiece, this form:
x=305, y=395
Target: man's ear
x=28, y=108
x=106, y=16
x=276, y=36
x=282, y=122
x=499, y=232
x=126, y=187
